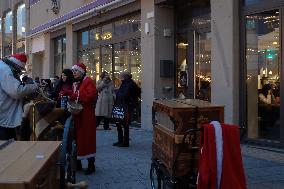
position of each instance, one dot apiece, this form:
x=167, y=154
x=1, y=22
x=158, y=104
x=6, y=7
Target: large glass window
x=106, y=32
x=203, y=66
x=8, y=34
x=59, y=55
x=182, y=65
x=127, y=25
x=121, y=60
x=91, y=58
x=95, y=36
x=107, y=58
x=21, y=28
x=135, y=60
x=263, y=75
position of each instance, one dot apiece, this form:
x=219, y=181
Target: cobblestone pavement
x=128, y=168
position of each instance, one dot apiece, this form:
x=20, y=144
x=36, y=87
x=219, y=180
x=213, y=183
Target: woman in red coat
x=84, y=89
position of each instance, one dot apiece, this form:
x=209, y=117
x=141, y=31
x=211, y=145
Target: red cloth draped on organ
x=232, y=172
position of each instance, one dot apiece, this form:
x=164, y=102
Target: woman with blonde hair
x=105, y=100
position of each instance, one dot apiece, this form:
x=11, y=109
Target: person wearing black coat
x=126, y=96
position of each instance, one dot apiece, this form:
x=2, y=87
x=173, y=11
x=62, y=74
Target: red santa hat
x=19, y=59
x=80, y=67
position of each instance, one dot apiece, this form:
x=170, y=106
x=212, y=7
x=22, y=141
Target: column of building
x=225, y=57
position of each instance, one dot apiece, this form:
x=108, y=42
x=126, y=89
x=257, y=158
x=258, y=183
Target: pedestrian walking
x=127, y=97
x=84, y=90
x=12, y=94
x=106, y=96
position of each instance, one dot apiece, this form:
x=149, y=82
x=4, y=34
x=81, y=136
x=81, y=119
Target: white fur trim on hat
x=76, y=67
x=17, y=61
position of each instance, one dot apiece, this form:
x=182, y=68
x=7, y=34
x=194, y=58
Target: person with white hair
x=12, y=94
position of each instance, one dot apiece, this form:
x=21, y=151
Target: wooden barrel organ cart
x=175, y=147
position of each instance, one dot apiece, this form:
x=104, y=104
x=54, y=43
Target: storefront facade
x=220, y=51
x=201, y=38
x=89, y=30
x=227, y=52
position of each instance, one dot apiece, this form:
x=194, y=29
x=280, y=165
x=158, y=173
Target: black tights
x=106, y=121
x=123, y=134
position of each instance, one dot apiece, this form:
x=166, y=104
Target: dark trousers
x=7, y=133
x=106, y=121
x=123, y=134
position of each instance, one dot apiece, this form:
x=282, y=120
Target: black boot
x=125, y=137
x=119, y=135
x=79, y=165
x=91, y=166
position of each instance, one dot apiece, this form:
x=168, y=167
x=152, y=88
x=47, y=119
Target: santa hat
x=80, y=67
x=19, y=59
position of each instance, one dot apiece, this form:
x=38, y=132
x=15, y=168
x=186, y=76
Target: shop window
x=263, y=75
x=203, y=66
x=21, y=28
x=135, y=24
x=59, y=55
x=8, y=34
x=127, y=25
x=113, y=58
x=121, y=27
x=135, y=60
x=84, y=40
x=91, y=58
x=121, y=62
x=95, y=36
x=107, y=58
x=182, y=65
x=106, y=32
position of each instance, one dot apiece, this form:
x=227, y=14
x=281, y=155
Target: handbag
x=74, y=107
x=118, y=113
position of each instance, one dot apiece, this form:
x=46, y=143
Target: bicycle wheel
x=68, y=155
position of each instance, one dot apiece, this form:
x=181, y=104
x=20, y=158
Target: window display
x=109, y=56
x=263, y=75
x=8, y=34
x=121, y=61
x=59, y=55
x=203, y=66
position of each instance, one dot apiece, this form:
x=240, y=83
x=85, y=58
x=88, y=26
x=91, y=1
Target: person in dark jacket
x=63, y=87
x=126, y=96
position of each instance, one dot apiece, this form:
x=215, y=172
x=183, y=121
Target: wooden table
x=29, y=164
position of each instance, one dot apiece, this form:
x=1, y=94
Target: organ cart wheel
x=155, y=177
x=68, y=155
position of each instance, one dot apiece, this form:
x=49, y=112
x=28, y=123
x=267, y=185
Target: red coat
x=85, y=122
x=232, y=176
